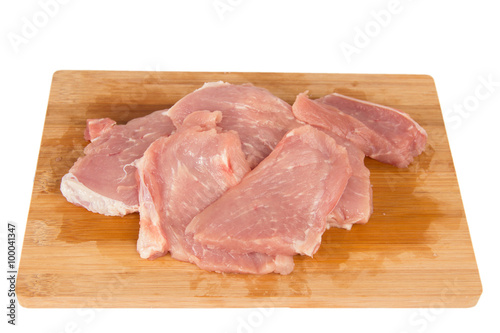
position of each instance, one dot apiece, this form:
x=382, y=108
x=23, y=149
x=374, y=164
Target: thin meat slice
x=103, y=181
x=179, y=176
x=260, y=118
x=96, y=127
x=401, y=138
x=356, y=204
x=340, y=124
x=280, y=207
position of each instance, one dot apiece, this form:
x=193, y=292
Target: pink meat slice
x=96, y=127
x=179, y=176
x=356, y=204
x=280, y=207
x=103, y=181
x=260, y=118
x=397, y=137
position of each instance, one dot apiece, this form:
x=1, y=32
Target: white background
x=456, y=42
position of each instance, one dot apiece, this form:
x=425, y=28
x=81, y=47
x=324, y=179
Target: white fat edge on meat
x=145, y=246
x=147, y=202
x=308, y=246
x=132, y=164
x=213, y=84
x=77, y=193
x=290, y=134
x=148, y=134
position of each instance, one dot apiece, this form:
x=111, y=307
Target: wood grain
x=415, y=251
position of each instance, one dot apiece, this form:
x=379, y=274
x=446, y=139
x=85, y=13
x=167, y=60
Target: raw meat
x=356, y=205
x=403, y=138
x=260, y=118
x=179, y=176
x=188, y=173
x=103, y=181
x=96, y=127
x=280, y=207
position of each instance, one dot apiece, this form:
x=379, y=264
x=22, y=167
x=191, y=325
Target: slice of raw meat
x=280, y=207
x=404, y=138
x=96, y=127
x=355, y=206
x=260, y=118
x=179, y=176
x=103, y=181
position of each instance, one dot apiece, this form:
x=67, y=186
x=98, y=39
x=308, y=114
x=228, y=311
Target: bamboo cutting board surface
x=414, y=252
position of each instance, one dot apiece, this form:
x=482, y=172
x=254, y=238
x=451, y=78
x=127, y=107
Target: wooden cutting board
x=414, y=252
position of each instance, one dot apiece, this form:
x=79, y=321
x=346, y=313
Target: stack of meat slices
x=234, y=179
